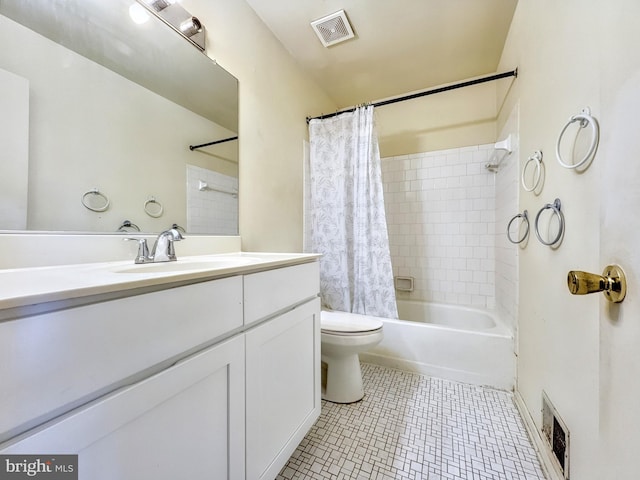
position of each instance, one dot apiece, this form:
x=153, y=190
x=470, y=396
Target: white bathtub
x=447, y=341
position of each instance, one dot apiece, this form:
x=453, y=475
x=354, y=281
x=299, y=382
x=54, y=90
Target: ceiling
x=400, y=46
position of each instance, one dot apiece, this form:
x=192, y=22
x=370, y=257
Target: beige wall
x=570, y=55
x=275, y=98
x=452, y=119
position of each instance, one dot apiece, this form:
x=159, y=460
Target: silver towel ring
x=537, y=176
x=555, y=206
x=127, y=224
x=585, y=119
x=99, y=194
x=525, y=219
x=158, y=209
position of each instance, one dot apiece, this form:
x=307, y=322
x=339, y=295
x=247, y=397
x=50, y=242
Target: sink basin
x=187, y=265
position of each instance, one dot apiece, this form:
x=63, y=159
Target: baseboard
x=548, y=463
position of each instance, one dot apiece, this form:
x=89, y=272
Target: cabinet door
x=54, y=362
x=184, y=422
x=283, y=387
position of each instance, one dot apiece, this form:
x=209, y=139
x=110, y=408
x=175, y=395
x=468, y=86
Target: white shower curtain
x=345, y=215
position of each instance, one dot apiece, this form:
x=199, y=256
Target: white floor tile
x=413, y=427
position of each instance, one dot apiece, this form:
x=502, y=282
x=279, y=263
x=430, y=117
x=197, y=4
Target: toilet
x=343, y=336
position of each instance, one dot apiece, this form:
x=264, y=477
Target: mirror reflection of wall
x=14, y=145
x=91, y=128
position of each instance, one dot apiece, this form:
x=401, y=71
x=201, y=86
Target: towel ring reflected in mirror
x=153, y=208
x=95, y=195
x=128, y=226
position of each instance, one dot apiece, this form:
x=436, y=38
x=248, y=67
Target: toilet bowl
x=344, y=335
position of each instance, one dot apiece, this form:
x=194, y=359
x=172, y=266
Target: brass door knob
x=612, y=282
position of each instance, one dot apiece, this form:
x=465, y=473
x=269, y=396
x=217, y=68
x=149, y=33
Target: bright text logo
x=49, y=467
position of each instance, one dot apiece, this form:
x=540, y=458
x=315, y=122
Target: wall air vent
x=332, y=29
x=555, y=432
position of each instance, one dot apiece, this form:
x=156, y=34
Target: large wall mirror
x=97, y=114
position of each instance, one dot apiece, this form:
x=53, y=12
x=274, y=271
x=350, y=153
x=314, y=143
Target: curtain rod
x=195, y=147
x=446, y=88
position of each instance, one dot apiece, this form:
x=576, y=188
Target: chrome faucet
x=163, y=250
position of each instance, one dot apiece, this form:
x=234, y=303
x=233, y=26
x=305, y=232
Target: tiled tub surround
x=210, y=210
x=507, y=201
x=409, y=426
x=441, y=216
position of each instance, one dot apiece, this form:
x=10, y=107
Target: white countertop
x=21, y=287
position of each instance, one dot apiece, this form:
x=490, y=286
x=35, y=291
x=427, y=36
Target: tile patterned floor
x=413, y=427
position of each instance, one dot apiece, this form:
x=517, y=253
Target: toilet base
x=343, y=379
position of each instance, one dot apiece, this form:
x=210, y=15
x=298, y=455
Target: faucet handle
x=143, y=249
x=175, y=233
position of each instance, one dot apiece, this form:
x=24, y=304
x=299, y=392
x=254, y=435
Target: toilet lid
x=345, y=323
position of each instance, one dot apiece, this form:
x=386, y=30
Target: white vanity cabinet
x=53, y=362
x=216, y=379
x=283, y=366
x=184, y=422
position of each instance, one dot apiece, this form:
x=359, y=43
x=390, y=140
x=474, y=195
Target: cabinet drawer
x=53, y=362
x=184, y=422
x=266, y=293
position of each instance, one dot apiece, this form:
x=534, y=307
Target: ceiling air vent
x=332, y=29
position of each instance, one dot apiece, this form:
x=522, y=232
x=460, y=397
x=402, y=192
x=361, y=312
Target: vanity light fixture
x=159, y=5
x=174, y=15
x=190, y=27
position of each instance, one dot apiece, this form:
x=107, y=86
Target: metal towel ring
x=127, y=224
x=585, y=119
x=98, y=193
x=555, y=206
x=537, y=158
x=151, y=213
x=525, y=218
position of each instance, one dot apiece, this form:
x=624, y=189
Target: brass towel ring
x=525, y=219
x=555, y=206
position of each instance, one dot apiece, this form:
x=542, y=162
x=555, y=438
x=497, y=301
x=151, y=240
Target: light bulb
x=138, y=14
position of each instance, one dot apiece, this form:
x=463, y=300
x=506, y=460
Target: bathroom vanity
x=207, y=367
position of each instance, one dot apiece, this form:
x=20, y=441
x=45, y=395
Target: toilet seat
x=336, y=323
